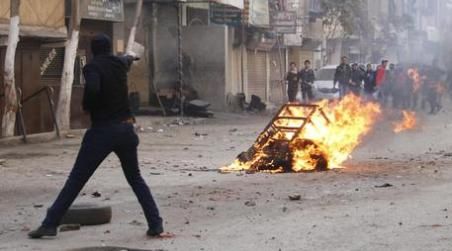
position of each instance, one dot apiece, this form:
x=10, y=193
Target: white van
x=324, y=83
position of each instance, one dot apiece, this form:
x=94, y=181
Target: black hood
x=101, y=45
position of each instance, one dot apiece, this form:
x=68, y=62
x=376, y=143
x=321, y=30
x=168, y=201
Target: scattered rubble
x=135, y=223
x=385, y=185
x=295, y=197
x=96, y=194
x=250, y=203
x=69, y=227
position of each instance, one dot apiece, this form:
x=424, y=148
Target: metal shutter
x=257, y=74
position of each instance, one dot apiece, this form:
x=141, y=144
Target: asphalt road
x=395, y=194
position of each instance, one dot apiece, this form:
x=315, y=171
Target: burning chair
x=304, y=137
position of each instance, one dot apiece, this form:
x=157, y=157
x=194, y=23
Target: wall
x=166, y=47
x=234, y=83
x=27, y=78
x=206, y=48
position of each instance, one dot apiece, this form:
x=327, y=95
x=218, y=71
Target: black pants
x=292, y=91
x=97, y=144
x=306, y=92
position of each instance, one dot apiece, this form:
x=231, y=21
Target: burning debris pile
x=309, y=137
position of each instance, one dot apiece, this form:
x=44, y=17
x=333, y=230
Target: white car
x=324, y=83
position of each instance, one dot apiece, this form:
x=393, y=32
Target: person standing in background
x=369, y=83
x=307, y=78
x=343, y=77
x=293, y=81
x=380, y=78
x=357, y=78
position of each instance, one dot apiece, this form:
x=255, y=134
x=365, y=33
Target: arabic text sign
x=224, y=14
x=111, y=10
x=284, y=22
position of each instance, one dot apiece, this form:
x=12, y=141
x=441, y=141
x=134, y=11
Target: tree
x=11, y=103
x=340, y=17
x=133, y=30
x=63, y=113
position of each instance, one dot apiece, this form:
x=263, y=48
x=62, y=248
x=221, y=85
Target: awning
x=236, y=3
x=38, y=32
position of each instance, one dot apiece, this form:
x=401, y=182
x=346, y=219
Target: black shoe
x=43, y=231
x=154, y=232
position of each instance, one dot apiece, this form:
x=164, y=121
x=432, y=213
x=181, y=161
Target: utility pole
x=133, y=30
x=180, y=65
x=63, y=113
x=11, y=102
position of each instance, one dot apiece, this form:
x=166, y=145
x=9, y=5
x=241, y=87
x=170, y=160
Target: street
x=395, y=194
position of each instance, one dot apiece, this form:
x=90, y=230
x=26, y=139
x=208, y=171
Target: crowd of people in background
x=412, y=86
x=400, y=86
x=304, y=78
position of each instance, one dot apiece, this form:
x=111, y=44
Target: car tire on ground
x=87, y=214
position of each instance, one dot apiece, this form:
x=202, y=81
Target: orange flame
x=409, y=122
x=331, y=140
x=414, y=75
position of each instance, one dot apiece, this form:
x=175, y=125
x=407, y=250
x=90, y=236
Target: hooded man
x=112, y=130
x=343, y=77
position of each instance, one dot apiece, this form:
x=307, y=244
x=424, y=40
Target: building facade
x=36, y=35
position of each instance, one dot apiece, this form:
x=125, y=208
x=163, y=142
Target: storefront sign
x=284, y=22
x=107, y=10
x=224, y=14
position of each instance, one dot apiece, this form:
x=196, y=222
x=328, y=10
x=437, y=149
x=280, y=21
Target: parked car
x=324, y=83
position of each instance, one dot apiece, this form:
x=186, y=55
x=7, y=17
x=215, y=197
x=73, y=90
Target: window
x=315, y=6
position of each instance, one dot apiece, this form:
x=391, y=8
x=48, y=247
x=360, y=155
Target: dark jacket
x=343, y=74
x=306, y=76
x=293, y=78
x=106, y=92
x=369, y=81
x=357, y=77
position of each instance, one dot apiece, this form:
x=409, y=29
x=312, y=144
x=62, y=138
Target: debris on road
x=69, y=227
x=250, y=203
x=295, y=197
x=96, y=194
x=135, y=223
x=385, y=185
x=70, y=136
